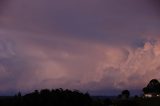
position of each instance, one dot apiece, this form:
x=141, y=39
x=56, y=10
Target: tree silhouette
x=152, y=87
x=57, y=97
x=125, y=93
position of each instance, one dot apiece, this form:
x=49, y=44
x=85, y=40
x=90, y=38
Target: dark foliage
x=126, y=93
x=61, y=97
x=45, y=97
x=152, y=87
x=127, y=103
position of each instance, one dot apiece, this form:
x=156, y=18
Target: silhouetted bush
x=152, y=87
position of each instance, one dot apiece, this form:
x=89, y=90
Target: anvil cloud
x=100, y=46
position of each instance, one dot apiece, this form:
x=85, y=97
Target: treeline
x=54, y=97
x=66, y=97
x=46, y=97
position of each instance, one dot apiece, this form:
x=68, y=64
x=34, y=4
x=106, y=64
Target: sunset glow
x=100, y=46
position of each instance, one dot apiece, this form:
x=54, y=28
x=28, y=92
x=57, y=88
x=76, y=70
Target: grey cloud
x=98, y=21
x=3, y=3
x=156, y=4
x=15, y=67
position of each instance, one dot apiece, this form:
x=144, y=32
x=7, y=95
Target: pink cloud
x=82, y=44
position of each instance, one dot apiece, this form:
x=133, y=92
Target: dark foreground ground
x=138, y=102
x=60, y=97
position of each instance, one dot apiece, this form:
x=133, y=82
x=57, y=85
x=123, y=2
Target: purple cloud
x=78, y=44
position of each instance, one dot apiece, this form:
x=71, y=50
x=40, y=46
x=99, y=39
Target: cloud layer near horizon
x=79, y=44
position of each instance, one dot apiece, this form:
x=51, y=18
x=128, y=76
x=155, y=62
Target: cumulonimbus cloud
x=92, y=48
x=40, y=63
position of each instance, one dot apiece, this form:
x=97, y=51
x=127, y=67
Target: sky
x=98, y=46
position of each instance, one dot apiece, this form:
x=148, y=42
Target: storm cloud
x=78, y=44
